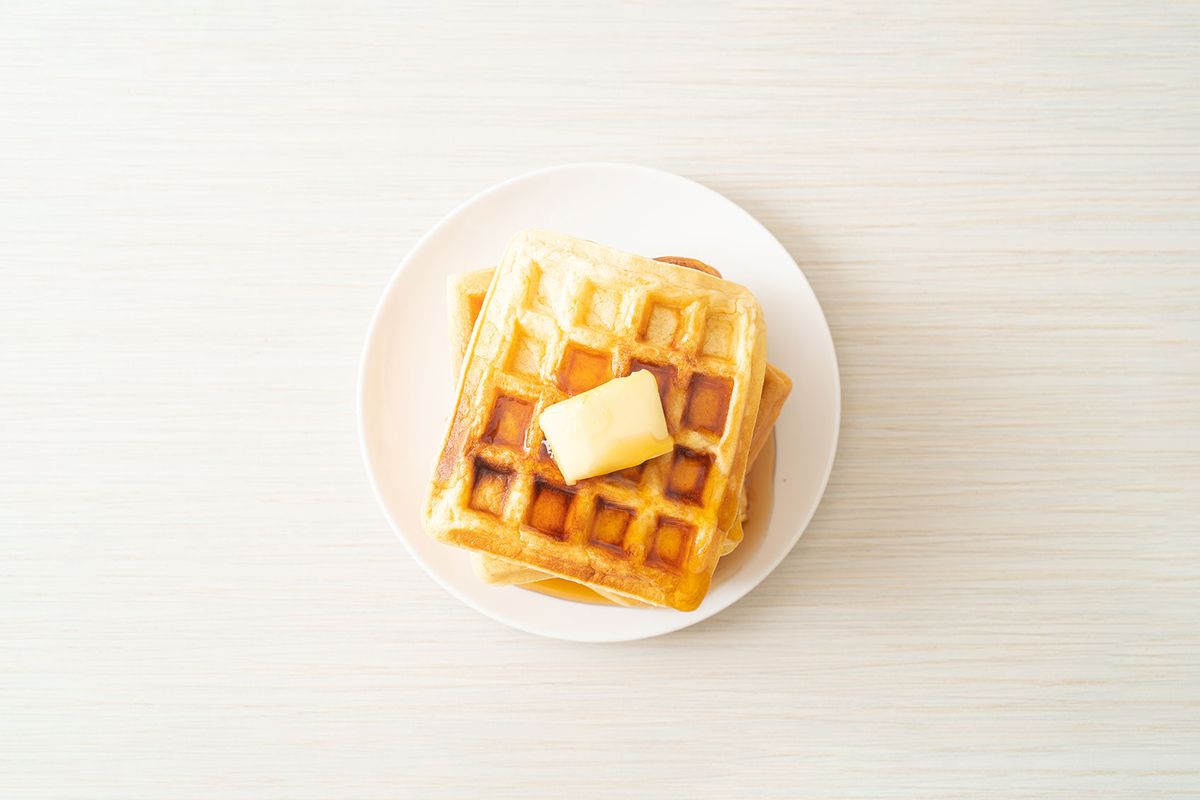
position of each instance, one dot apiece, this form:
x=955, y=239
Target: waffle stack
x=466, y=293
x=562, y=316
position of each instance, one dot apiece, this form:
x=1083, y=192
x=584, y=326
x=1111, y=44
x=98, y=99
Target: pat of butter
x=618, y=424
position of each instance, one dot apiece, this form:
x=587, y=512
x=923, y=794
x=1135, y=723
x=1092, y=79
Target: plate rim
x=680, y=620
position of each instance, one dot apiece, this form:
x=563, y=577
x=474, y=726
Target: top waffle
x=564, y=316
x=466, y=291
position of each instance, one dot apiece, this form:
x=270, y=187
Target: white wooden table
x=998, y=205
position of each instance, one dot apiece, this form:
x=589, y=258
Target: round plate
x=406, y=388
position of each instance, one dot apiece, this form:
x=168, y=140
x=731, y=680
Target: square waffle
x=466, y=293
x=563, y=316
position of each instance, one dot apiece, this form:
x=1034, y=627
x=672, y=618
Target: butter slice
x=617, y=425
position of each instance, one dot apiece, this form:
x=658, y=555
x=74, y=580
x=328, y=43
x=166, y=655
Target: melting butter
x=618, y=424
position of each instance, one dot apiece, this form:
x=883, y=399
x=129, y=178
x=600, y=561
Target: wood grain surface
x=998, y=205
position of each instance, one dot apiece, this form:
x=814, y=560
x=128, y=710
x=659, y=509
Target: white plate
x=405, y=386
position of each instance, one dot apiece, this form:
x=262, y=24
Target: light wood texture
x=998, y=205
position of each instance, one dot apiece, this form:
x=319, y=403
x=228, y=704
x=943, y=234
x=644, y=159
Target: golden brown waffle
x=491, y=569
x=776, y=388
x=466, y=293
x=562, y=316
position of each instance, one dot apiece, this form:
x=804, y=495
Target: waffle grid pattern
x=562, y=333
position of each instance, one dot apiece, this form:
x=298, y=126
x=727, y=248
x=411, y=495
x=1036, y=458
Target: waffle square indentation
x=609, y=526
x=720, y=337
x=670, y=545
x=509, y=421
x=525, y=357
x=660, y=324
x=630, y=476
x=708, y=403
x=551, y=509
x=688, y=475
x=582, y=368
x=489, y=487
x=603, y=306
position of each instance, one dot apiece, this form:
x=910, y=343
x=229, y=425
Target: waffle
x=776, y=388
x=466, y=293
x=562, y=316
x=491, y=569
